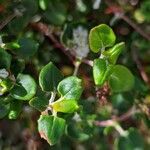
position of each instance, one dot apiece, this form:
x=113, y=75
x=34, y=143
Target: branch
x=121, y=118
x=44, y=29
x=119, y=12
x=135, y=27
x=16, y=13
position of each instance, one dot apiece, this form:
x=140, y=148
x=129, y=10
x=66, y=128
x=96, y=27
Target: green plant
x=73, y=86
x=68, y=90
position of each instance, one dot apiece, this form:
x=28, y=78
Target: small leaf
x=15, y=109
x=101, y=71
x=114, y=52
x=121, y=79
x=70, y=88
x=11, y=46
x=100, y=37
x=51, y=128
x=39, y=102
x=49, y=77
x=43, y=4
x=65, y=106
x=25, y=88
x=5, y=59
x=28, y=47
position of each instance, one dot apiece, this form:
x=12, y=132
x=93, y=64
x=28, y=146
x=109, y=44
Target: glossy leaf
x=25, y=88
x=100, y=37
x=51, y=128
x=65, y=106
x=40, y=101
x=5, y=59
x=114, y=52
x=49, y=77
x=101, y=71
x=70, y=88
x=121, y=79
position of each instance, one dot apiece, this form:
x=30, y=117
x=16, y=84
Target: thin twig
x=44, y=29
x=118, y=11
x=16, y=13
x=136, y=27
x=121, y=118
x=7, y=20
x=77, y=65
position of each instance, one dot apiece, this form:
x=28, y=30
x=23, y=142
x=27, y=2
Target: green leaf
x=70, y=88
x=28, y=47
x=39, y=102
x=15, y=109
x=43, y=4
x=133, y=141
x=65, y=106
x=114, y=52
x=11, y=46
x=51, y=128
x=121, y=79
x=25, y=88
x=49, y=77
x=100, y=37
x=5, y=59
x=101, y=71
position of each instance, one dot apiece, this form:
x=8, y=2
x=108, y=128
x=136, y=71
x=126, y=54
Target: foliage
x=74, y=74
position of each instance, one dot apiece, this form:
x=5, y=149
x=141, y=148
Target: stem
x=77, y=65
x=120, y=130
x=114, y=124
x=53, y=95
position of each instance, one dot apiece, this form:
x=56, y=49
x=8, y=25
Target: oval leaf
x=70, y=88
x=51, y=128
x=40, y=101
x=65, y=106
x=49, y=77
x=121, y=79
x=101, y=71
x=100, y=37
x=25, y=88
x=28, y=47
